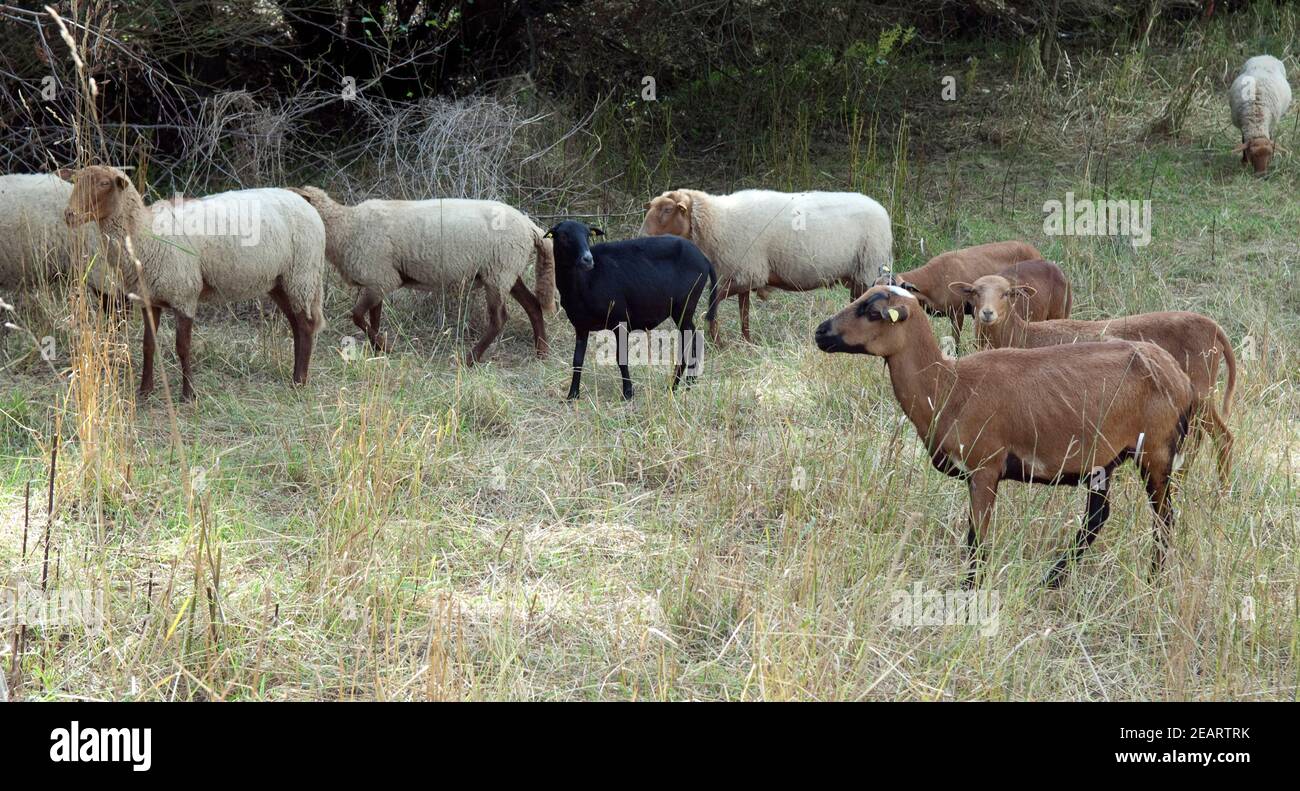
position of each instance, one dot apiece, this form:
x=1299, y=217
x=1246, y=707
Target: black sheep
x=637, y=282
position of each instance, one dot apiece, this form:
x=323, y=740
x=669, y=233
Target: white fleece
x=227, y=247
x=793, y=240
x=383, y=245
x=35, y=243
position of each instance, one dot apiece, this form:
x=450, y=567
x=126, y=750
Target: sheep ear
x=649, y=206
x=961, y=289
x=682, y=207
x=65, y=173
x=896, y=314
x=1239, y=148
x=549, y=234
x=1024, y=291
x=120, y=182
x=597, y=232
x=910, y=287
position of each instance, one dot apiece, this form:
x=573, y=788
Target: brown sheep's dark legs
x=533, y=308
x=983, y=493
x=579, y=354
x=1157, y=483
x=184, y=328
x=496, y=311
x=151, y=318
x=1098, y=512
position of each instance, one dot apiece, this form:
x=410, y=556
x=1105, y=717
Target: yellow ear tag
x=893, y=314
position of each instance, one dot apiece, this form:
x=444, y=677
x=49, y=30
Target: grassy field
x=407, y=528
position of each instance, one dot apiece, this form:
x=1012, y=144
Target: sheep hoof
x=381, y=343
x=143, y=392
x=1053, y=579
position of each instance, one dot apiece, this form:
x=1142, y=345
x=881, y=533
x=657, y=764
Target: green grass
x=404, y=527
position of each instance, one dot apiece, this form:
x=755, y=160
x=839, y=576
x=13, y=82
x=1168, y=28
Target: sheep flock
x=1048, y=399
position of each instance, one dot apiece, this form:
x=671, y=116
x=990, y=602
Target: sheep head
x=1258, y=151
x=570, y=243
x=670, y=213
x=875, y=324
x=992, y=297
x=98, y=192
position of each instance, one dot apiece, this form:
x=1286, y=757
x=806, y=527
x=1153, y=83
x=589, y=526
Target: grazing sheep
x=637, y=282
x=930, y=282
x=35, y=243
x=798, y=241
x=1041, y=290
x=1259, y=98
x=379, y=246
x=1196, y=342
x=223, y=248
x=1056, y=416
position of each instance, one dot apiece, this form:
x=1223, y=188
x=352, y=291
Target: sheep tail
x=544, y=285
x=1229, y=360
x=712, y=313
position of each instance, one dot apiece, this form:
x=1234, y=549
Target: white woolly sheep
x=1259, y=98
x=794, y=241
x=226, y=247
x=379, y=246
x=35, y=243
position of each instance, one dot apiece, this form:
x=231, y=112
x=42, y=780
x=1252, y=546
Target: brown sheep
x=1198, y=344
x=930, y=282
x=1056, y=416
x=1047, y=294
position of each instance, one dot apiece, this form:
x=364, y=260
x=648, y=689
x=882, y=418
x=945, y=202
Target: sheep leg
x=533, y=308
x=743, y=299
x=621, y=344
x=579, y=354
x=1157, y=484
x=1098, y=512
x=496, y=320
x=685, y=331
x=184, y=327
x=302, y=344
x=303, y=337
x=983, y=493
x=378, y=339
x=369, y=303
x=151, y=317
